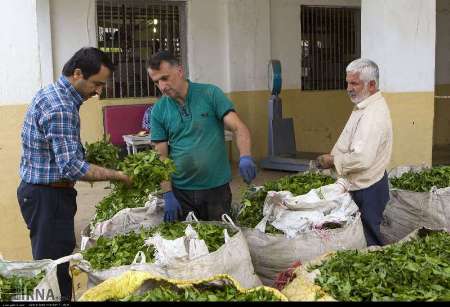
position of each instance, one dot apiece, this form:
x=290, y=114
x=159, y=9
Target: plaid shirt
x=146, y=124
x=52, y=149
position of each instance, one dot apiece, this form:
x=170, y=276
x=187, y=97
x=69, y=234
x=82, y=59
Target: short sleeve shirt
x=195, y=133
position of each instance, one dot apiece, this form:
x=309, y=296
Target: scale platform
x=298, y=162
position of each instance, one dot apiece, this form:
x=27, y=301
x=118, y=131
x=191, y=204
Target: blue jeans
x=371, y=202
x=49, y=214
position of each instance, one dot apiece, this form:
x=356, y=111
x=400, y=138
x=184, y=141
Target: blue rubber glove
x=247, y=169
x=171, y=207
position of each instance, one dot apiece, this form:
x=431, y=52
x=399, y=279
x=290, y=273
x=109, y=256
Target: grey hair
x=368, y=70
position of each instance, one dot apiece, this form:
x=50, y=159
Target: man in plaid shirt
x=53, y=159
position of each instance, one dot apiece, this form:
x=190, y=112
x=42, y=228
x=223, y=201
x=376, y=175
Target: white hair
x=367, y=69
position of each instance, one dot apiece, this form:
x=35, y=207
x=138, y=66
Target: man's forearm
x=98, y=173
x=243, y=142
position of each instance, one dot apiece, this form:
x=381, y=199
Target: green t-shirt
x=196, y=136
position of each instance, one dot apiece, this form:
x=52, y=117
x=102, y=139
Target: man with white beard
x=363, y=150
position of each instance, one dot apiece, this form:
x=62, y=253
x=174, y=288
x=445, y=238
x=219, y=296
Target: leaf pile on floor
x=18, y=285
x=121, y=250
x=417, y=270
x=147, y=172
x=253, y=200
x=423, y=181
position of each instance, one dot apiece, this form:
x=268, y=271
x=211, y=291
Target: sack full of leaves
x=125, y=221
x=135, y=286
x=414, y=269
x=30, y=280
x=313, y=216
x=252, y=204
x=181, y=250
x=418, y=198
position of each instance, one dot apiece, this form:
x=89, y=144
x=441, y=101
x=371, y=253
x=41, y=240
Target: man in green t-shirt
x=188, y=124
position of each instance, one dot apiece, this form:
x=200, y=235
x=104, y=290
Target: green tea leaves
x=417, y=270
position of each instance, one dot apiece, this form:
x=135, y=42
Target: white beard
x=363, y=95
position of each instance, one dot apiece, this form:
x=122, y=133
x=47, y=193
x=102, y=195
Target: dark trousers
x=371, y=202
x=49, y=215
x=207, y=205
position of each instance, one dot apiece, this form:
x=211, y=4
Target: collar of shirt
x=363, y=104
x=186, y=99
x=64, y=82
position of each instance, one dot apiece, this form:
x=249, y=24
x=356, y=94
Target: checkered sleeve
x=60, y=127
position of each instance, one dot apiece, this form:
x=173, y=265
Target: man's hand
x=325, y=161
x=125, y=179
x=247, y=168
x=172, y=208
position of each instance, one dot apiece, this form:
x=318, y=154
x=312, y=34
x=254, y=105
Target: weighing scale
x=282, y=150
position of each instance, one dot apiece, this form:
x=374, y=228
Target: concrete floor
x=88, y=196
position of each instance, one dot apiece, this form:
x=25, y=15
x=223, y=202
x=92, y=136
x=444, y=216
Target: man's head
x=167, y=73
x=362, y=79
x=88, y=70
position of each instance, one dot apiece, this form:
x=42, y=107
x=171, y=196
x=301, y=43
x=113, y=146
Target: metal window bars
x=130, y=31
x=330, y=40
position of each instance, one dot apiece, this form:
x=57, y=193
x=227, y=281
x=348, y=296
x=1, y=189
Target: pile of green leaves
x=423, y=181
x=202, y=293
x=253, y=200
x=102, y=153
x=118, y=200
x=121, y=250
x=147, y=172
x=18, y=285
x=418, y=270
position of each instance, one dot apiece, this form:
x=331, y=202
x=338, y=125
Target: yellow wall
x=441, y=134
x=412, y=122
x=14, y=241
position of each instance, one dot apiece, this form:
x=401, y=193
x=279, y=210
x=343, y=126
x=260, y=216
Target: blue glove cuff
x=243, y=158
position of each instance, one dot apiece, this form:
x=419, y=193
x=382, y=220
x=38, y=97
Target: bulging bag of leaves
x=293, y=228
x=133, y=286
x=34, y=280
x=126, y=220
x=183, y=250
x=413, y=269
x=419, y=197
x=275, y=253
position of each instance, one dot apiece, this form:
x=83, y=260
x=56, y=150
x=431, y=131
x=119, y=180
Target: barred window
x=330, y=40
x=130, y=31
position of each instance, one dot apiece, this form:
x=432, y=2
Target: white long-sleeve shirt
x=364, y=148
